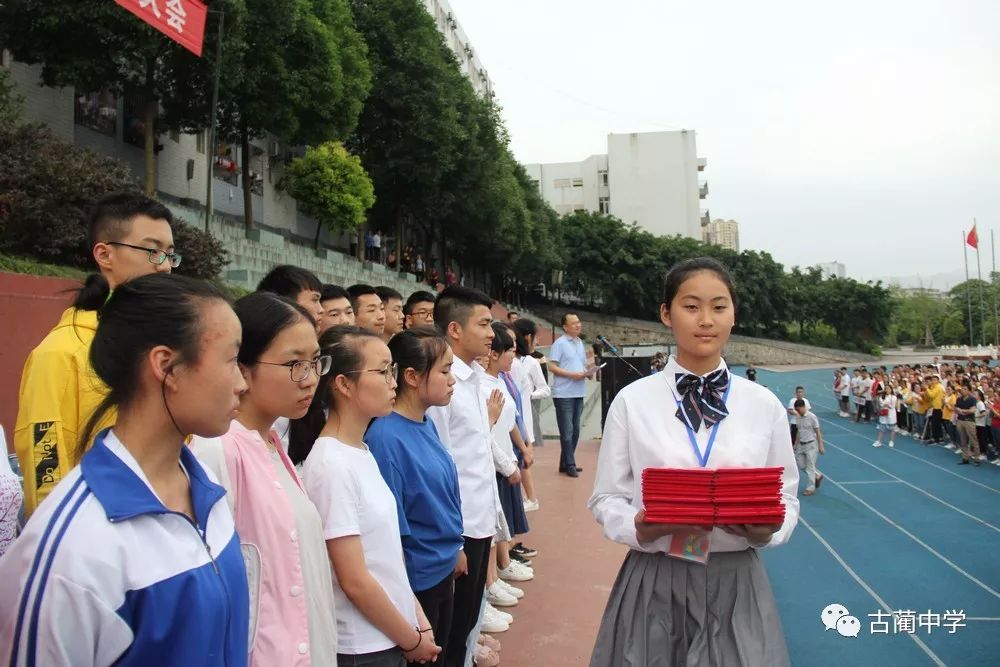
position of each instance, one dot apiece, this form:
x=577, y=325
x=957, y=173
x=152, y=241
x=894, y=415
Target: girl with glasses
x=379, y=620
x=281, y=536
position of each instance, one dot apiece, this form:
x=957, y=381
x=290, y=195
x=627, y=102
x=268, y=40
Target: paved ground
x=556, y=622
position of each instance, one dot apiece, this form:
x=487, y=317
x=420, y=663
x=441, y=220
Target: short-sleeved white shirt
x=353, y=499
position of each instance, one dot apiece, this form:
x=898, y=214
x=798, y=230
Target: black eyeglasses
x=300, y=369
x=155, y=255
x=389, y=372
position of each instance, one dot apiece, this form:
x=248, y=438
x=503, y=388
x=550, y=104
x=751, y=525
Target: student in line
x=134, y=559
x=292, y=621
x=533, y=388
x=369, y=311
x=793, y=415
x=392, y=306
x=421, y=474
x=129, y=235
x=671, y=610
x=11, y=498
x=337, y=308
x=419, y=310
x=380, y=623
x=886, y=416
x=298, y=284
x=463, y=315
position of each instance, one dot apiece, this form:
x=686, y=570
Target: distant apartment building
x=650, y=178
x=723, y=233
x=113, y=125
x=832, y=270
x=460, y=45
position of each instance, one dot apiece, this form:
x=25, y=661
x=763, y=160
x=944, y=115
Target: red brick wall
x=29, y=308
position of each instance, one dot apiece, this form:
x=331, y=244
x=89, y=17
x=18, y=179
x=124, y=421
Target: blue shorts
x=886, y=428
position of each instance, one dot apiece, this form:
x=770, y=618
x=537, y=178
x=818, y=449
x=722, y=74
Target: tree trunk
x=319, y=227
x=361, y=243
x=150, y=109
x=246, y=180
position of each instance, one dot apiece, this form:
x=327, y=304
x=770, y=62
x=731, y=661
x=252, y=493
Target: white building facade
x=650, y=178
x=833, y=270
x=460, y=45
x=723, y=233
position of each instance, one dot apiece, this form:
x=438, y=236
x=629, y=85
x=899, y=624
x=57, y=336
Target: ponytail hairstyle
x=93, y=294
x=418, y=348
x=523, y=328
x=264, y=315
x=344, y=346
x=143, y=313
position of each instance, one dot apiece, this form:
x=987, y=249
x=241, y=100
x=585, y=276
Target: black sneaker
x=526, y=552
x=963, y=462
x=571, y=471
x=514, y=556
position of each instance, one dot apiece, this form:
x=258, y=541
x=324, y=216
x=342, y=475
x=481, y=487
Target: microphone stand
x=625, y=361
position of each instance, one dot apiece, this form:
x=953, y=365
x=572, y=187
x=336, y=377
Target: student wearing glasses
x=292, y=618
x=418, y=310
x=380, y=623
x=130, y=235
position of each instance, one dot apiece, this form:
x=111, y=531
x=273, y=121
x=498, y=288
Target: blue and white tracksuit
x=105, y=574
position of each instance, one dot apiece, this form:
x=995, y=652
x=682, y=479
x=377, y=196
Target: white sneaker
x=502, y=615
x=498, y=597
x=492, y=622
x=876, y=444
x=516, y=572
x=517, y=593
x=892, y=444
x=950, y=446
x=902, y=432
x=530, y=505
x=982, y=457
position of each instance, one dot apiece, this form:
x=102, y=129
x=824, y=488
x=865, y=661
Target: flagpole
x=982, y=303
x=968, y=294
x=993, y=291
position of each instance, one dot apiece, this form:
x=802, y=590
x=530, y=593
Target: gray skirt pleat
x=671, y=613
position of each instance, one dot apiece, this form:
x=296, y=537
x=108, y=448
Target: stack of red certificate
x=713, y=497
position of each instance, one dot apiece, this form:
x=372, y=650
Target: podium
x=617, y=375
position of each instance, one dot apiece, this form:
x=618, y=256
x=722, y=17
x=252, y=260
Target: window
x=605, y=205
x=97, y=111
x=199, y=144
x=579, y=209
x=577, y=182
x=603, y=177
x=562, y=183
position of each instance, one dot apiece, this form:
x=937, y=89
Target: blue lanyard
x=703, y=460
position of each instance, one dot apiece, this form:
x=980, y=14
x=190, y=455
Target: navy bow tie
x=702, y=398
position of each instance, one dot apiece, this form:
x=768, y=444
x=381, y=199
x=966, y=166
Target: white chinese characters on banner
x=150, y=4
x=176, y=15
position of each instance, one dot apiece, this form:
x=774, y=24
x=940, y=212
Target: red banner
x=973, y=238
x=181, y=20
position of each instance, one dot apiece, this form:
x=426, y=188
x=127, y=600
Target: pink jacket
x=265, y=521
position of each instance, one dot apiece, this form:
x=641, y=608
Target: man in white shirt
x=793, y=415
x=568, y=362
x=463, y=316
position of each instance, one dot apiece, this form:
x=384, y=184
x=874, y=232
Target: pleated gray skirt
x=666, y=612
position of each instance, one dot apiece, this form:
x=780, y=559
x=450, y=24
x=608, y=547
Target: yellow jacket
x=59, y=393
x=935, y=394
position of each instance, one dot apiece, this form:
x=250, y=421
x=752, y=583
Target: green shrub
x=46, y=189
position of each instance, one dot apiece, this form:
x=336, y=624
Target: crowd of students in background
x=952, y=405
x=312, y=475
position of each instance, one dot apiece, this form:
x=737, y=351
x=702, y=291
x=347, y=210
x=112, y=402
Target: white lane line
x=915, y=458
x=879, y=481
x=875, y=596
x=913, y=486
x=916, y=539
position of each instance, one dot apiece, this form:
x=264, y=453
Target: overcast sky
x=862, y=132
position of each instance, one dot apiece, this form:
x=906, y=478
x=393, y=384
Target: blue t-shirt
x=571, y=356
x=423, y=478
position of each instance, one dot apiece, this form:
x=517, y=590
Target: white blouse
x=642, y=431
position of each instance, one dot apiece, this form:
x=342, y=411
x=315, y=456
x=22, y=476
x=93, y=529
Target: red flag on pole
x=973, y=238
x=181, y=20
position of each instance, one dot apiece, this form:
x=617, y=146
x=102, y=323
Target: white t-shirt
x=353, y=499
x=845, y=387
x=888, y=402
x=793, y=416
x=981, y=410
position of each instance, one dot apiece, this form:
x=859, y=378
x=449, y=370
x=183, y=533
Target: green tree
x=919, y=317
x=302, y=76
x=331, y=185
x=965, y=296
x=100, y=46
x=11, y=101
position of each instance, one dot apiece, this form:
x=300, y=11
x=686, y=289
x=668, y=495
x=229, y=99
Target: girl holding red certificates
x=690, y=594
